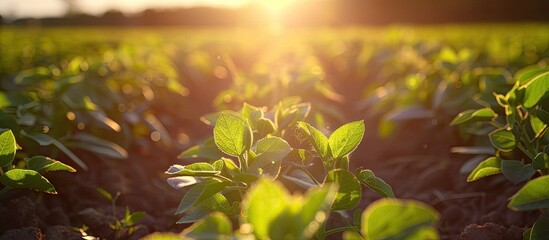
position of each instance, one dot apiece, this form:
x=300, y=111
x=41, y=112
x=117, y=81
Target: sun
x=275, y=7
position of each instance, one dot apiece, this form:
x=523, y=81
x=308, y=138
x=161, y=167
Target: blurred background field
x=123, y=89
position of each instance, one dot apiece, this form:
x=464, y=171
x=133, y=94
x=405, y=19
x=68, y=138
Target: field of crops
x=355, y=133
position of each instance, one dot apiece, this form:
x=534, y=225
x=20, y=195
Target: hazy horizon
x=55, y=8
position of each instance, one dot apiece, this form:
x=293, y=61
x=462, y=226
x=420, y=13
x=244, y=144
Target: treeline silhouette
x=321, y=13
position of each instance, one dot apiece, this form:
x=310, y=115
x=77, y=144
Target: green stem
x=311, y=176
x=242, y=161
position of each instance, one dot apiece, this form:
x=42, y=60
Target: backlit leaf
x=46, y=164
x=503, y=139
x=24, y=178
x=482, y=114
x=349, y=191
x=532, y=196
x=346, y=138
x=488, y=167
x=232, y=135
x=399, y=219
x=7, y=148
x=377, y=184
x=536, y=89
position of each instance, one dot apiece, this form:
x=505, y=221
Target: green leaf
x=199, y=169
x=488, y=167
x=349, y=191
x=377, y=184
x=199, y=192
x=483, y=114
x=40, y=138
x=104, y=193
x=232, y=135
x=46, y=164
x=272, y=144
x=532, y=196
x=207, y=150
x=540, y=229
x=313, y=211
x=541, y=161
x=216, y=203
x=516, y=171
x=538, y=126
x=265, y=207
x=134, y=218
x=30, y=179
x=399, y=219
x=267, y=163
x=214, y=226
x=503, y=139
x=536, y=89
x=317, y=138
x=524, y=75
x=7, y=148
x=346, y=138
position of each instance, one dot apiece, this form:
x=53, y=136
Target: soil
x=416, y=162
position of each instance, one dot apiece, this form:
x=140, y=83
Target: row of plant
x=105, y=95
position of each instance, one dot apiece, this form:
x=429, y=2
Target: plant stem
x=242, y=161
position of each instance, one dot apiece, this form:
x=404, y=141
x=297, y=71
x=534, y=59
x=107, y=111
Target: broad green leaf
x=399, y=219
x=215, y=203
x=232, y=135
x=483, y=114
x=540, y=229
x=488, y=167
x=313, y=211
x=538, y=126
x=532, y=196
x=265, y=126
x=265, y=207
x=349, y=191
x=24, y=178
x=199, y=169
x=377, y=184
x=207, y=150
x=346, y=138
x=536, y=89
x=199, y=192
x=7, y=148
x=317, y=139
x=541, y=161
x=524, y=75
x=267, y=163
x=273, y=144
x=516, y=171
x=214, y=226
x=46, y=164
x=503, y=139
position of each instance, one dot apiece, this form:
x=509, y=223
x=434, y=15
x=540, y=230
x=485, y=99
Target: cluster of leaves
x=97, y=102
x=220, y=185
x=27, y=173
x=519, y=137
